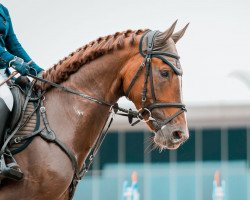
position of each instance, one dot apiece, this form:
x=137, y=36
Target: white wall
x=216, y=44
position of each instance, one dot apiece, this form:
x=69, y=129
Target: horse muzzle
x=171, y=136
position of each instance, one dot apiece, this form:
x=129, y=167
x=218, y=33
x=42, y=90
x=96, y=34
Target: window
x=237, y=144
x=211, y=140
x=109, y=149
x=158, y=157
x=186, y=152
x=134, y=147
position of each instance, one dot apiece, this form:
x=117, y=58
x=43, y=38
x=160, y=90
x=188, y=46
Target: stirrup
x=11, y=170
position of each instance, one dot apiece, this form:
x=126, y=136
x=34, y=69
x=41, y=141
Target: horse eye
x=164, y=73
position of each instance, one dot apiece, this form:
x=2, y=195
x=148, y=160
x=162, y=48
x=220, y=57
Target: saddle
x=19, y=90
x=21, y=113
x=23, y=126
x=18, y=97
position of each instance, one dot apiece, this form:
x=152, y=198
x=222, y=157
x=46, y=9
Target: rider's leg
x=6, y=105
x=11, y=170
x=5, y=112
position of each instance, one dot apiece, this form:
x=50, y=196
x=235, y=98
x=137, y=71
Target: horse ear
x=178, y=35
x=167, y=34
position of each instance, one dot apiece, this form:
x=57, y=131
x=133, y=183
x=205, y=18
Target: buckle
x=17, y=140
x=42, y=109
x=140, y=117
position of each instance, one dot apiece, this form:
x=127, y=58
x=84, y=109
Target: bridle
x=50, y=136
x=147, y=63
x=131, y=114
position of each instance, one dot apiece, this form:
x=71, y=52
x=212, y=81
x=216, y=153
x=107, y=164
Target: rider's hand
x=18, y=64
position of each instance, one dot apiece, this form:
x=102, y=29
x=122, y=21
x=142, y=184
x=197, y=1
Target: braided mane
x=61, y=71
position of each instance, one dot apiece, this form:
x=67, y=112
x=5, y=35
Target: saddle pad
x=30, y=126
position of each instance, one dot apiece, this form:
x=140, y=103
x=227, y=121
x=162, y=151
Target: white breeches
x=5, y=92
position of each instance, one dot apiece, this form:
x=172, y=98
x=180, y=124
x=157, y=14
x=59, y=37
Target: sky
x=214, y=49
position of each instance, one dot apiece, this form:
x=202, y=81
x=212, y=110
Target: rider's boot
x=9, y=169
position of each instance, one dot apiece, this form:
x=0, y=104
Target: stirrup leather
x=11, y=170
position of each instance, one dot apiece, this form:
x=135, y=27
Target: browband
x=157, y=54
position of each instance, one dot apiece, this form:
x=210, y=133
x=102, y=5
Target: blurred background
x=215, y=59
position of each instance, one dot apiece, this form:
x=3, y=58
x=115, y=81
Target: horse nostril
x=177, y=135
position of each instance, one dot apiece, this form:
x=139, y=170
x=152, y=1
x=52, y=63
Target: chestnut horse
x=106, y=69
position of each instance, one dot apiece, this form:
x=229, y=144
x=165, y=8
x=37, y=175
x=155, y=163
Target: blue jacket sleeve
x=5, y=57
x=15, y=48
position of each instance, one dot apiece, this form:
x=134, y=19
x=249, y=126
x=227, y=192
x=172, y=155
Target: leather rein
x=114, y=108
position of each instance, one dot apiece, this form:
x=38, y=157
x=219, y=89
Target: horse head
x=152, y=79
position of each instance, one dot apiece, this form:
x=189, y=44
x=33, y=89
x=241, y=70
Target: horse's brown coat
x=102, y=69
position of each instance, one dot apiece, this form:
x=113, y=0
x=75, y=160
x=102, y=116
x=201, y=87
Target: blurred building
x=219, y=140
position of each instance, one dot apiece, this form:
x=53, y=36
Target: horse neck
x=82, y=120
x=100, y=78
